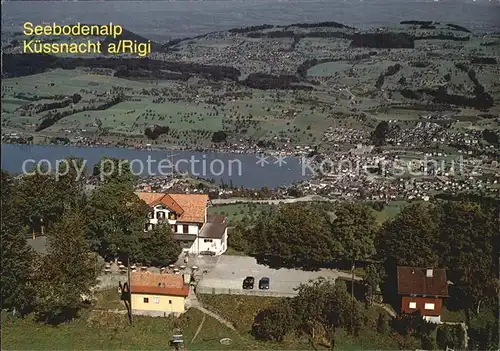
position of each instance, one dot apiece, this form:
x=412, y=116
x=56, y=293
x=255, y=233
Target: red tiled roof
x=420, y=305
x=189, y=207
x=172, y=204
x=194, y=206
x=150, y=198
x=155, y=283
x=413, y=281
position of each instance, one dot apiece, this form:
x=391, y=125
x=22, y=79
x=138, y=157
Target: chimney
x=429, y=273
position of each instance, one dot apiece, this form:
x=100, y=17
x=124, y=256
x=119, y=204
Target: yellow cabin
x=156, y=294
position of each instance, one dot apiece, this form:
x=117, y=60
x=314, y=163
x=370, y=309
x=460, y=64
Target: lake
x=239, y=169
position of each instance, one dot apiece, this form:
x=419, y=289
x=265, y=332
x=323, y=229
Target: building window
x=175, y=228
x=208, y=240
x=156, y=300
x=146, y=300
x=169, y=302
x=429, y=306
x=413, y=305
x=185, y=229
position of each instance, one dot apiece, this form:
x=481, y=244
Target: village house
x=422, y=291
x=186, y=214
x=156, y=294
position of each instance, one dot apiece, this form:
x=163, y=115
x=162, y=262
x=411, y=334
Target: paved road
x=274, y=202
x=225, y=274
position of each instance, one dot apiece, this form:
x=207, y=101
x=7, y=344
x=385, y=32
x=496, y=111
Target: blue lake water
x=239, y=169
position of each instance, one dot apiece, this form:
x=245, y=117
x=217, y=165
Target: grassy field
x=236, y=212
x=390, y=211
x=98, y=328
x=190, y=115
x=241, y=311
x=105, y=330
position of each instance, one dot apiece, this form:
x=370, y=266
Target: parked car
x=248, y=283
x=264, y=283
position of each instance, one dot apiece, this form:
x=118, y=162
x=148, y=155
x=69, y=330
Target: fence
x=200, y=289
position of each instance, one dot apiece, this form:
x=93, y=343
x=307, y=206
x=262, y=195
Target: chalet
x=186, y=214
x=156, y=294
x=422, y=291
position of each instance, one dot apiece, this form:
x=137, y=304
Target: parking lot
x=225, y=275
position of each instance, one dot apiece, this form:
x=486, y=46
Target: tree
x=467, y=236
x=380, y=133
x=383, y=323
x=240, y=238
x=485, y=337
x=323, y=306
x=17, y=256
x=116, y=219
x=491, y=137
x=113, y=170
x=68, y=271
x=159, y=248
x=451, y=336
x=284, y=237
x=354, y=230
x=219, y=137
x=71, y=174
x=294, y=192
x=374, y=277
x=76, y=98
x=411, y=239
x=275, y=322
x=46, y=207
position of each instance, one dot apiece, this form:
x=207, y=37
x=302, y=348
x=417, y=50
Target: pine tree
x=17, y=256
x=68, y=271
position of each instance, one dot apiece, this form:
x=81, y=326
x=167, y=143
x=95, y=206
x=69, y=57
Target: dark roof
x=414, y=281
x=214, y=227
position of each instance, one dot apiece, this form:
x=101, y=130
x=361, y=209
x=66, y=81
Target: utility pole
x=352, y=293
x=352, y=284
x=129, y=289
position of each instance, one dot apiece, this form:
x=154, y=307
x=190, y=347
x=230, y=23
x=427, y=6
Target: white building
x=197, y=232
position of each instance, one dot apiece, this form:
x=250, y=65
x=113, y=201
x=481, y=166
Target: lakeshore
x=238, y=169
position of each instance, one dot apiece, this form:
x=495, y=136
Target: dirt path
x=199, y=328
x=219, y=318
x=193, y=302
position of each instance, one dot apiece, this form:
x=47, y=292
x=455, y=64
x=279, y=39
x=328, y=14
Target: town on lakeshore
x=382, y=233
